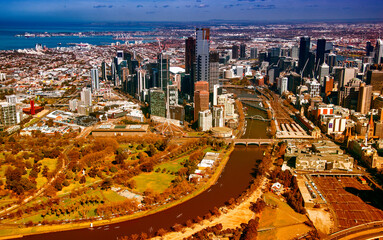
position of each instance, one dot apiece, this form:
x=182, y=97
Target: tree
x=106, y=184
x=82, y=180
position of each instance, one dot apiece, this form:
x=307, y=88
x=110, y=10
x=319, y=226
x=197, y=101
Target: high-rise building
x=103, y=71
x=242, y=51
x=331, y=61
x=8, y=114
x=95, y=80
x=304, y=49
x=348, y=97
x=379, y=51
x=172, y=95
x=364, y=98
x=234, y=51
x=215, y=94
x=201, y=102
x=141, y=75
x=157, y=102
x=120, y=56
x=214, y=70
x=163, y=71
x=375, y=79
x=11, y=99
x=202, y=54
x=190, y=52
x=284, y=84
x=369, y=48
x=205, y=120
x=253, y=53
x=324, y=70
x=321, y=49
x=86, y=97
x=294, y=52
x=328, y=85
x=201, y=86
x=218, y=116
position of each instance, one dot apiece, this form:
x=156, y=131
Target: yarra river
x=234, y=179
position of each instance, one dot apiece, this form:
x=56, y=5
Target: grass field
x=280, y=220
x=172, y=166
x=158, y=182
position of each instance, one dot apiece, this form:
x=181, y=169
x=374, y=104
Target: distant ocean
x=8, y=41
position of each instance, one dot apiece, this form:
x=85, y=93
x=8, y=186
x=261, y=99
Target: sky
x=186, y=10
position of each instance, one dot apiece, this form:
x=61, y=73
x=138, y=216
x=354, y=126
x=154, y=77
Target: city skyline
x=187, y=10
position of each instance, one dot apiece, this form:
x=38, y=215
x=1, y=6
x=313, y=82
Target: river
x=234, y=179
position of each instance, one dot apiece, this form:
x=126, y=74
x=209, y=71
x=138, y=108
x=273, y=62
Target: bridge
x=258, y=117
x=255, y=141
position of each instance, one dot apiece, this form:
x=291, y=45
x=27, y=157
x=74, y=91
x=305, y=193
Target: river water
x=234, y=179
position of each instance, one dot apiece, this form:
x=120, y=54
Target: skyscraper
x=304, y=48
x=321, y=48
x=95, y=80
x=234, y=52
x=202, y=53
x=163, y=71
x=103, y=71
x=331, y=61
x=369, y=48
x=253, y=53
x=324, y=71
x=214, y=70
x=242, y=51
x=379, y=51
x=201, y=102
x=201, y=97
x=8, y=115
x=189, y=54
x=157, y=102
x=86, y=97
x=364, y=98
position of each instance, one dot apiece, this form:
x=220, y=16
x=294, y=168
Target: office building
x=294, y=52
x=304, y=49
x=214, y=70
x=163, y=71
x=177, y=112
x=284, y=84
x=321, y=49
x=103, y=71
x=348, y=96
x=253, y=53
x=95, y=80
x=218, y=116
x=375, y=79
x=369, y=48
x=205, y=120
x=324, y=70
x=242, y=51
x=364, y=98
x=234, y=51
x=202, y=54
x=157, y=102
x=379, y=51
x=86, y=97
x=120, y=56
x=201, y=102
x=331, y=61
x=172, y=95
x=216, y=89
x=190, y=45
x=8, y=114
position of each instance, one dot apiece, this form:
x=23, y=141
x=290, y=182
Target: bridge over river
x=249, y=141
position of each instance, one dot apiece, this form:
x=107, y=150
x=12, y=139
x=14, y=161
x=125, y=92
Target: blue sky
x=186, y=10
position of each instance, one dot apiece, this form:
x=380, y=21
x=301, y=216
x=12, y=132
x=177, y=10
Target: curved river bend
x=234, y=179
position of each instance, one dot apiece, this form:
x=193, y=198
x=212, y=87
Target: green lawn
x=49, y=162
x=112, y=196
x=172, y=166
x=158, y=182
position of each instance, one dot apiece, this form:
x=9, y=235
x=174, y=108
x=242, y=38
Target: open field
x=157, y=182
x=350, y=210
x=277, y=222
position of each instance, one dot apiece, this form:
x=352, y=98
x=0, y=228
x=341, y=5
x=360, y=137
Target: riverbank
x=18, y=232
x=229, y=220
